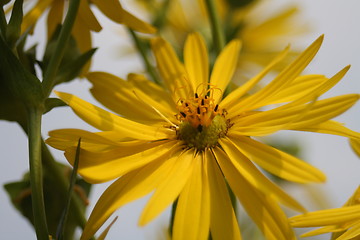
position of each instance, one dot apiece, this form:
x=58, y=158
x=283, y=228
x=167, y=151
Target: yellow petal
x=355, y=145
x=330, y=127
x=223, y=222
x=82, y=35
x=120, y=96
x=301, y=86
x=153, y=90
x=237, y=163
x=113, y=10
x=283, y=79
x=55, y=17
x=107, y=121
x=196, y=60
x=300, y=116
x=224, y=68
x=327, y=217
x=170, y=188
x=245, y=88
x=64, y=138
x=34, y=14
x=277, y=162
x=98, y=167
x=260, y=207
x=171, y=69
x=128, y=188
x=192, y=216
x=354, y=231
x=88, y=18
x=327, y=229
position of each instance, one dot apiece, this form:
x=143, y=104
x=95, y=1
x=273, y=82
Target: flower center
x=202, y=122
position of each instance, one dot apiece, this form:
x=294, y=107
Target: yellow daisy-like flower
x=85, y=20
x=187, y=142
x=343, y=222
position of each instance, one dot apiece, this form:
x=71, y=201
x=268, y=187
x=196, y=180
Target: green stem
x=51, y=71
x=160, y=19
x=56, y=172
x=218, y=34
x=36, y=178
x=142, y=50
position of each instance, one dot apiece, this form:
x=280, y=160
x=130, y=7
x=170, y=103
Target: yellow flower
x=187, y=141
x=343, y=222
x=85, y=21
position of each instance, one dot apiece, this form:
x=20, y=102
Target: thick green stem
x=217, y=32
x=51, y=71
x=36, y=178
x=142, y=50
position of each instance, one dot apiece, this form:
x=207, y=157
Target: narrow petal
x=301, y=86
x=171, y=69
x=173, y=183
x=55, y=17
x=153, y=90
x=245, y=88
x=330, y=127
x=283, y=79
x=113, y=10
x=236, y=162
x=224, y=68
x=64, y=138
x=98, y=167
x=223, y=222
x=327, y=229
x=196, y=60
x=128, y=188
x=261, y=207
x=355, y=145
x=192, y=216
x=277, y=162
x=107, y=121
x=119, y=95
x=88, y=17
x=354, y=231
x=82, y=35
x=34, y=14
x=326, y=217
x=301, y=116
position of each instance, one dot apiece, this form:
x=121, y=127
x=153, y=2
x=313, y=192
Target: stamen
x=216, y=108
x=183, y=114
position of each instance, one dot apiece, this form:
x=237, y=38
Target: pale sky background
x=338, y=20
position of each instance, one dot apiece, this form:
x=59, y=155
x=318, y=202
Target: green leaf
x=13, y=30
x=51, y=103
x=17, y=81
x=20, y=195
x=72, y=69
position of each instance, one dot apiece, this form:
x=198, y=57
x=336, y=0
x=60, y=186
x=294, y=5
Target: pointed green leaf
x=51, y=103
x=70, y=70
x=13, y=30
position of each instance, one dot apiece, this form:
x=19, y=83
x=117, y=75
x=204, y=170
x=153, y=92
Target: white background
x=338, y=20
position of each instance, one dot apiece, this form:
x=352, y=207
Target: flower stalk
x=36, y=173
x=142, y=50
x=50, y=74
x=217, y=33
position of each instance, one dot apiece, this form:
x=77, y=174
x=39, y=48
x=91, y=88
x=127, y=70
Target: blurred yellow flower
x=85, y=21
x=262, y=27
x=187, y=141
x=343, y=222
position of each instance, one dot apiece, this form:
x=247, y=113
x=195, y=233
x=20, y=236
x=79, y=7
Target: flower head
x=343, y=222
x=186, y=141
